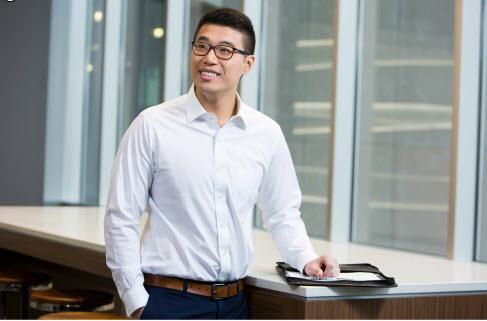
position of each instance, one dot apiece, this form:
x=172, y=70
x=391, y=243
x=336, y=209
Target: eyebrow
x=224, y=42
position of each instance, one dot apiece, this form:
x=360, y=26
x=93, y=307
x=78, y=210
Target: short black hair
x=234, y=19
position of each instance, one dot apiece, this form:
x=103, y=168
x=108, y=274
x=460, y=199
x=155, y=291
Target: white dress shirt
x=200, y=184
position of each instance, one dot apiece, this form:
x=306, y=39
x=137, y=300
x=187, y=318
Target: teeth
x=207, y=73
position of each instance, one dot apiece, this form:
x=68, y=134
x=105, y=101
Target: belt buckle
x=214, y=288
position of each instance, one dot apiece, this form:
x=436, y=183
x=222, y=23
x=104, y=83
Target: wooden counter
x=429, y=286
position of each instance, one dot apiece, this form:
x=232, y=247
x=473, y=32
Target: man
x=201, y=162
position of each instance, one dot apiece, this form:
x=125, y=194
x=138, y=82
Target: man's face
x=213, y=75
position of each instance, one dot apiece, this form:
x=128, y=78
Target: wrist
x=137, y=313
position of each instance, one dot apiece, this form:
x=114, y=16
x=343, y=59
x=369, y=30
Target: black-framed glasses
x=224, y=52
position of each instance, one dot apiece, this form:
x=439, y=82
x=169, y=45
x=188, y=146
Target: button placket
x=221, y=207
x=212, y=121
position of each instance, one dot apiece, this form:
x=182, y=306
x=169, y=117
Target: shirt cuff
x=135, y=298
x=304, y=258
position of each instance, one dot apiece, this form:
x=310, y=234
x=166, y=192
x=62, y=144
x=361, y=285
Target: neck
x=223, y=106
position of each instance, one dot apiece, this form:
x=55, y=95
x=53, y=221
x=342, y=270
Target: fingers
x=328, y=271
x=332, y=268
x=323, y=267
x=317, y=272
x=313, y=268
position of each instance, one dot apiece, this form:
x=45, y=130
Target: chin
x=208, y=87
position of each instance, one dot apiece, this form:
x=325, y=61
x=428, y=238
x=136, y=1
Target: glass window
x=143, y=75
x=402, y=150
x=296, y=92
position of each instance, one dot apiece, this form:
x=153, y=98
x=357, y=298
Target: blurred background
x=382, y=103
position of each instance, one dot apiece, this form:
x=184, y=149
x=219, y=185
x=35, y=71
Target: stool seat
x=23, y=282
x=12, y=279
x=71, y=299
x=81, y=316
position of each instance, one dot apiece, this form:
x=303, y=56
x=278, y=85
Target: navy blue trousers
x=173, y=304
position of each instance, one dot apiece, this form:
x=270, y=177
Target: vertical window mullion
x=249, y=87
x=111, y=93
x=175, y=48
x=481, y=240
x=67, y=69
x=343, y=110
x=466, y=89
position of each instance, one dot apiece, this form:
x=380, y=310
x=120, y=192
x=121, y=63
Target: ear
x=249, y=63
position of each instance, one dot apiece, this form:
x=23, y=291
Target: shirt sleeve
x=279, y=200
x=130, y=181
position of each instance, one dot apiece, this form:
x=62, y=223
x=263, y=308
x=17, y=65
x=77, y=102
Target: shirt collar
x=194, y=110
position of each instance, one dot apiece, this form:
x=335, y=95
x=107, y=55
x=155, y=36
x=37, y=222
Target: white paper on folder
x=353, y=276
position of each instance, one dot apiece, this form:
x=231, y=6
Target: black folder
x=384, y=282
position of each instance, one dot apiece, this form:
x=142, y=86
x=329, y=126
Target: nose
x=210, y=58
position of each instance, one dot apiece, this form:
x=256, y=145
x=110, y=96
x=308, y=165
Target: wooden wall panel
x=437, y=307
x=266, y=304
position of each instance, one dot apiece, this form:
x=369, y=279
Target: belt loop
x=185, y=285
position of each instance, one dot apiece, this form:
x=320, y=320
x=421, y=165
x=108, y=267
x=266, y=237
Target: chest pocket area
x=245, y=186
x=169, y=185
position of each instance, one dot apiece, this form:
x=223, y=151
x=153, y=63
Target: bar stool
x=22, y=282
x=55, y=300
x=81, y=316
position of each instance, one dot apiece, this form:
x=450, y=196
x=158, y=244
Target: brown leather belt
x=214, y=291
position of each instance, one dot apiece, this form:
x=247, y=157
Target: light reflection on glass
x=98, y=16
x=158, y=32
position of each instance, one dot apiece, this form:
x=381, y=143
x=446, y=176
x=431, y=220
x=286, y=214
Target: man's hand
x=137, y=313
x=323, y=267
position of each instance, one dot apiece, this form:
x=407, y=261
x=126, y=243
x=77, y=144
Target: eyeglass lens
x=221, y=51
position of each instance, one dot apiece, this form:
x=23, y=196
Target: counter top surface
x=416, y=274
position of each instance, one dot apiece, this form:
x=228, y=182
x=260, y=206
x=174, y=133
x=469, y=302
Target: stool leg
x=25, y=292
x=3, y=305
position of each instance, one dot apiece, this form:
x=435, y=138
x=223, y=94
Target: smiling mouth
x=209, y=73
